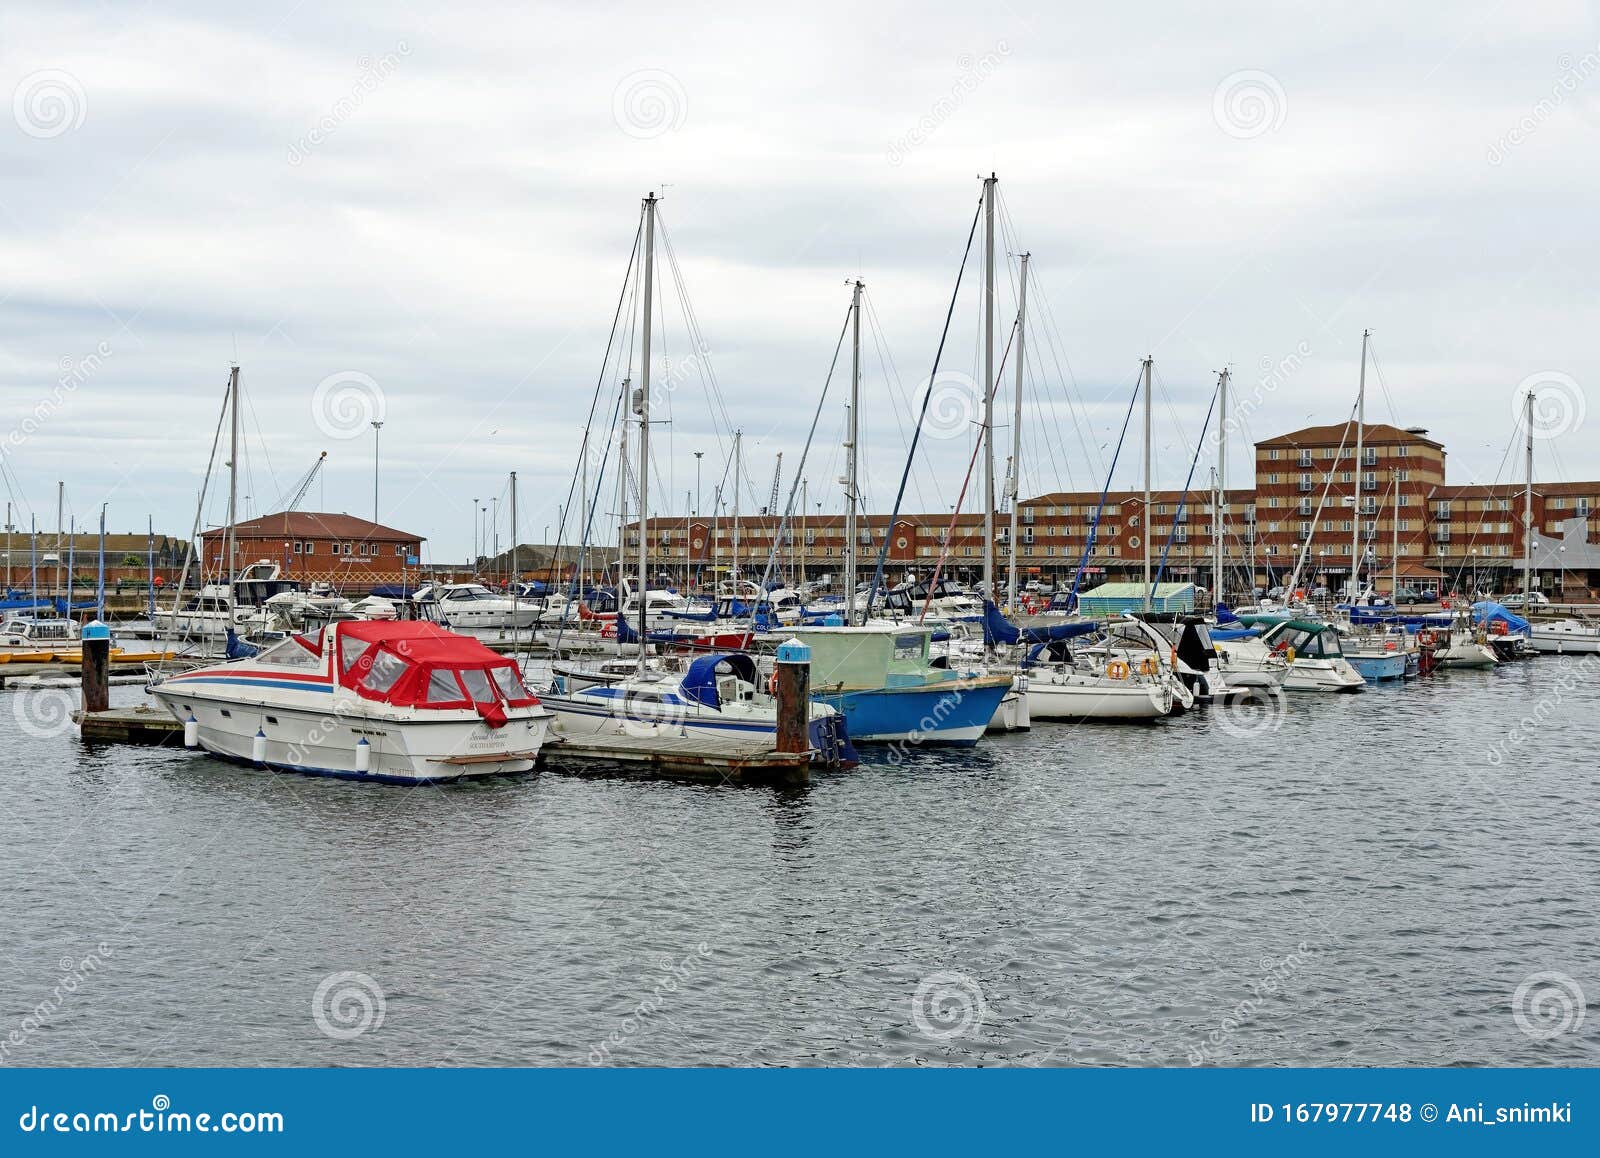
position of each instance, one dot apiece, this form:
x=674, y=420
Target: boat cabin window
x=351, y=651
x=443, y=689
x=386, y=671
x=290, y=653
x=477, y=686
x=510, y=684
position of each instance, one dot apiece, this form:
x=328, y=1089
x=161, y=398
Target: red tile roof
x=314, y=525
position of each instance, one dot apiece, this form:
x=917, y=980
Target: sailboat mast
x=642, y=407
x=1361, y=419
x=988, y=386
x=516, y=568
x=622, y=487
x=1527, y=507
x=1144, y=539
x=1016, y=426
x=1219, y=507
x=61, y=509
x=738, y=466
x=853, y=430
x=233, y=478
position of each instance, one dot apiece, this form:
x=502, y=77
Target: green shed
x=1115, y=598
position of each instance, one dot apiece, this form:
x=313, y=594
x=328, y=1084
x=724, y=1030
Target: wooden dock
x=732, y=759
x=54, y=675
x=140, y=724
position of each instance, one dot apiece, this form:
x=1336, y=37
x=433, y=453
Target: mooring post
x=792, y=675
x=96, y=641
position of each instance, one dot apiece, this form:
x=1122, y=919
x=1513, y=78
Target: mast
x=738, y=466
x=100, y=571
x=1219, y=506
x=1144, y=539
x=61, y=507
x=622, y=489
x=853, y=430
x=1016, y=429
x=1361, y=418
x=800, y=561
x=516, y=571
x=1527, y=508
x=229, y=545
x=988, y=386
x=642, y=407
x=150, y=563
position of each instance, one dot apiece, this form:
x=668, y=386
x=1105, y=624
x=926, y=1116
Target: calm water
x=1360, y=885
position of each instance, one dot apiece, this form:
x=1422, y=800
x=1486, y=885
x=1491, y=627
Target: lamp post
x=377, y=425
x=474, y=565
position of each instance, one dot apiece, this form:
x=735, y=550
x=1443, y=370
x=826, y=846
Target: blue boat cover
x=1228, y=634
x=700, y=681
x=238, y=649
x=1225, y=614
x=998, y=629
x=1490, y=612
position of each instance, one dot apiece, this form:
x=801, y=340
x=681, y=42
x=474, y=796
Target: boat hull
x=1376, y=668
x=1080, y=702
x=320, y=740
x=1323, y=676
x=955, y=713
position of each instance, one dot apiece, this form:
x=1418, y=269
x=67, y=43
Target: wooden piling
x=96, y=641
x=792, y=679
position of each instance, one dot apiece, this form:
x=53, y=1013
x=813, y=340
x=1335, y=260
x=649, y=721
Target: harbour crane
x=304, y=485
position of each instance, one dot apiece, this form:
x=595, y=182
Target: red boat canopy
x=422, y=665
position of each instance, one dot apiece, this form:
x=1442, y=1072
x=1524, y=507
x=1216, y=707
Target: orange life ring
x=772, y=684
x=1117, y=670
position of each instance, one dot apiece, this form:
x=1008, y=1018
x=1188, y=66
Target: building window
x=1400, y=451
x=297, y=546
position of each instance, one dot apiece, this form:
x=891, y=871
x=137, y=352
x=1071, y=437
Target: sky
x=423, y=214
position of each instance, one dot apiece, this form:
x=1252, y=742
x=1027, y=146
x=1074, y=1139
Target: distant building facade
x=348, y=551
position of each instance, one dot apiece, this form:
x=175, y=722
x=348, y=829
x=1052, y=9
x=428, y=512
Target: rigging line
x=200, y=506
x=1377, y=369
x=716, y=402
x=1183, y=498
x=966, y=483
x=585, y=547
x=594, y=400
x=794, y=484
x=916, y=433
x=1349, y=425
x=880, y=341
x=1094, y=523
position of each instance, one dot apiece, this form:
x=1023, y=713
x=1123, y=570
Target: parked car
x=1529, y=599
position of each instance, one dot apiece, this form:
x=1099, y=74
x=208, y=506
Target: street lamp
x=698, y=455
x=377, y=425
x=474, y=566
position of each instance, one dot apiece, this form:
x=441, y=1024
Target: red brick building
x=345, y=550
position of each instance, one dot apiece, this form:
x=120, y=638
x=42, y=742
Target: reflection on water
x=1359, y=885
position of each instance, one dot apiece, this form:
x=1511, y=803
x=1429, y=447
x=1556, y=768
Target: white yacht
x=472, y=606
x=1312, y=651
x=1566, y=636
x=402, y=702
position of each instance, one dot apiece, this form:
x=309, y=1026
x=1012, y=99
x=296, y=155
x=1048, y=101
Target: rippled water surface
x=1362, y=884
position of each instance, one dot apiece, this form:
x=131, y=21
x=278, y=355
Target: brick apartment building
x=1461, y=536
x=345, y=550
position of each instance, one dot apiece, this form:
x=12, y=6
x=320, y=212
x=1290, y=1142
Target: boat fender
x=191, y=732
x=1288, y=653
x=772, y=685
x=258, y=747
x=1117, y=670
x=363, y=755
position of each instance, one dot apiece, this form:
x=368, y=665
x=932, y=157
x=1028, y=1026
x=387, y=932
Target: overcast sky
x=428, y=209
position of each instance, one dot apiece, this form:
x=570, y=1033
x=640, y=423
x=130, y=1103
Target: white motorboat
x=401, y=702
x=714, y=695
x=473, y=607
x=1566, y=636
x=1312, y=651
x=1082, y=690
x=216, y=607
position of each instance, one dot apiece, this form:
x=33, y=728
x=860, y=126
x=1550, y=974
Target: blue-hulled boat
x=884, y=682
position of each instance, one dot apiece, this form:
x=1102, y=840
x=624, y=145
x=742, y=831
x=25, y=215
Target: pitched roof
x=314, y=525
x=1372, y=433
